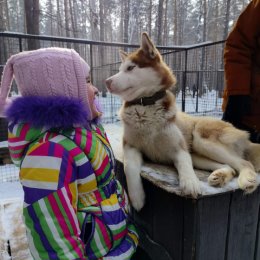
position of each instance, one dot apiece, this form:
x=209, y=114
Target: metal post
x=197, y=91
x=184, y=81
x=91, y=62
x=20, y=44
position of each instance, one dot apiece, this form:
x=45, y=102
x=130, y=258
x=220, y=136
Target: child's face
x=92, y=92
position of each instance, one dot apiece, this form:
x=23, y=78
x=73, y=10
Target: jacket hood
x=48, y=112
x=31, y=117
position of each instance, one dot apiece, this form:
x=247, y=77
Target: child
x=74, y=208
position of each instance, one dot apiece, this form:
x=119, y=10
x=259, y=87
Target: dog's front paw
x=190, y=186
x=247, y=181
x=221, y=176
x=137, y=198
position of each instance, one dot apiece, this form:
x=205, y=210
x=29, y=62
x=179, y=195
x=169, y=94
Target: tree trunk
x=7, y=16
x=225, y=33
x=204, y=36
x=159, y=22
x=3, y=44
x=175, y=26
x=126, y=20
x=67, y=24
x=165, y=25
x=102, y=38
x=74, y=23
x=150, y=18
x=93, y=20
x=32, y=16
x=51, y=15
x=59, y=22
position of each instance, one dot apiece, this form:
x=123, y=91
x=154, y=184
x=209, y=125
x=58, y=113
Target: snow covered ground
x=12, y=229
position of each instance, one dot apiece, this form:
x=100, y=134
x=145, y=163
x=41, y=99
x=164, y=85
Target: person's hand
x=237, y=107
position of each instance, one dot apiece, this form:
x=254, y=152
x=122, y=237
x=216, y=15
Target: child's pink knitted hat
x=46, y=72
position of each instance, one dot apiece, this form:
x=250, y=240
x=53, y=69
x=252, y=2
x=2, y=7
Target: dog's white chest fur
x=148, y=128
x=142, y=118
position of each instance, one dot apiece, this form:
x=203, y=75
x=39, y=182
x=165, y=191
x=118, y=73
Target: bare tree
x=74, y=21
x=102, y=38
x=167, y=21
x=93, y=20
x=3, y=44
x=226, y=24
x=159, y=22
x=32, y=15
x=59, y=21
x=67, y=19
x=165, y=24
x=125, y=19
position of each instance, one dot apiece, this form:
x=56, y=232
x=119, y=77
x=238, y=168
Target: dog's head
x=142, y=73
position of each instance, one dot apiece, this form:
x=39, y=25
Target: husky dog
x=153, y=127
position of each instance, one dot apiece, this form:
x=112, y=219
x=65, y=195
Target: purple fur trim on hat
x=48, y=112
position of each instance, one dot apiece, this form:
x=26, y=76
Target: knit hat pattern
x=46, y=72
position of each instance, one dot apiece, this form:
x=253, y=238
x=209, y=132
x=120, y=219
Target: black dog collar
x=146, y=101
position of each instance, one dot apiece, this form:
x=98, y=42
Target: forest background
x=168, y=22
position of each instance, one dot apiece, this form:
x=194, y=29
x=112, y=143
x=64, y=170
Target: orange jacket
x=242, y=62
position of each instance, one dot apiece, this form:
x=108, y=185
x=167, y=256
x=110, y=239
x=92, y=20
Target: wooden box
x=225, y=226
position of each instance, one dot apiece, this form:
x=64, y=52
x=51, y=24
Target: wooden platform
x=222, y=224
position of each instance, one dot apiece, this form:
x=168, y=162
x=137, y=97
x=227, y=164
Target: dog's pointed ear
x=123, y=55
x=147, y=46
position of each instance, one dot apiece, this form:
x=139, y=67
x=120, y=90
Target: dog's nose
x=108, y=82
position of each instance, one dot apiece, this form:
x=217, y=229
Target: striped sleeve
x=19, y=137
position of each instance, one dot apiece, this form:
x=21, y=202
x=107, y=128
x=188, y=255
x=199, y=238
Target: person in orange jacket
x=241, y=99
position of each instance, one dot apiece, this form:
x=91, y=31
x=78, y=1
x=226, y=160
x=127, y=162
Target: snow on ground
x=10, y=190
x=12, y=229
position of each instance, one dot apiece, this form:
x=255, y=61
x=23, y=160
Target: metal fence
x=198, y=68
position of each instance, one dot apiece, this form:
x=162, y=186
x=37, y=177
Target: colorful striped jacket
x=74, y=208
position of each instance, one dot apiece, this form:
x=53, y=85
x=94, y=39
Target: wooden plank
x=144, y=218
x=189, y=228
x=212, y=225
x=168, y=222
x=3, y=129
x=257, y=244
x=243, y=221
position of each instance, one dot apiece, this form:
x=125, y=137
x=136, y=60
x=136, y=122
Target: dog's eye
x=129, y=68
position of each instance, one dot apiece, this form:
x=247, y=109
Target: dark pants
x=255, y=137
x=140, y=255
